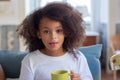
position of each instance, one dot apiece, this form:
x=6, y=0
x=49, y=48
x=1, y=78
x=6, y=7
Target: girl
x=53, y=34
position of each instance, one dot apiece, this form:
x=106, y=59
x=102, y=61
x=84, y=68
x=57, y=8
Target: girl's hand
x=74, y=76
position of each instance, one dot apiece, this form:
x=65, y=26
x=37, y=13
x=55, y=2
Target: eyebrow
x=59, y=27
x=56, y=27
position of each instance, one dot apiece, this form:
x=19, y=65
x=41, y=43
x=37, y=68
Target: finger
x=76, y=77
x=72, y=72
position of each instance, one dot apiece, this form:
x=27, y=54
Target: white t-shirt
x=38, y=66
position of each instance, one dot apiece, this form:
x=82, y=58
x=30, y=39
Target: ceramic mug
x=60, y=75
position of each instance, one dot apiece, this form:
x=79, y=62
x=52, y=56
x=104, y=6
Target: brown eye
x=59, y=31
x=46, y=31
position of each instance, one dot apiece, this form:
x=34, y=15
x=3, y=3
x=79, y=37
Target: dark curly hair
x=70, y=19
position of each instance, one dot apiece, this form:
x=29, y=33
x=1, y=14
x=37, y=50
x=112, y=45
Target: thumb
x=72, y=72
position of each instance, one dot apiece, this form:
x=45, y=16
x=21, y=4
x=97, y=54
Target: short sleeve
x=26, y=69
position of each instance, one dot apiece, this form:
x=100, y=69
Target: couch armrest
x=11, y=62
x=2, y=75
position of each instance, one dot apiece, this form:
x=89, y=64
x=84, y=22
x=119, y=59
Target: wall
x=11, y=12
x=114, y=15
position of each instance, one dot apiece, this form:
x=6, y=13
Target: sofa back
x=11, y=61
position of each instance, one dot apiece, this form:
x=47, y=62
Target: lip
x=53, y=44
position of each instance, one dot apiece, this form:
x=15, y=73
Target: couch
x=10, y=62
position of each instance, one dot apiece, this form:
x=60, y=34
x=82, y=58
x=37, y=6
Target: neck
x=53, y=53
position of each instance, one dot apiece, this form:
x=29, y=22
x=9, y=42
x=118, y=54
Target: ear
x=38, y=34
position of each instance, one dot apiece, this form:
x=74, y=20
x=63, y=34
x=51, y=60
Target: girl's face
x=52, y=34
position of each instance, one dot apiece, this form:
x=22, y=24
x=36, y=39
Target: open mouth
x=53, y=44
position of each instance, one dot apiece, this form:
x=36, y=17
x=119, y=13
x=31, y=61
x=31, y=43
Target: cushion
x=11, y=62
x=92, y=54
x=2, y=75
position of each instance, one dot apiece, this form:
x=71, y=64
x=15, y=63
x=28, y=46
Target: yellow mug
x=60, y=75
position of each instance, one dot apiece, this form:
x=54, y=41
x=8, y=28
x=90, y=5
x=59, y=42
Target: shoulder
x=81, y=59
x=30, y=56
x=78, y=53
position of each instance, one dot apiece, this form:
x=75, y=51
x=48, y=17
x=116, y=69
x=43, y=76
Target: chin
x=54, y=49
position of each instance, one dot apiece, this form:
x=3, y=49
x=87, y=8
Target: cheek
x=62, y=38
x=44, y=39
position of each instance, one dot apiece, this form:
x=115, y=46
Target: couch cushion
x=11, y=62
x=93, y=53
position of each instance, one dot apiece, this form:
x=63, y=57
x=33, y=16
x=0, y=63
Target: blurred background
x=102, y=20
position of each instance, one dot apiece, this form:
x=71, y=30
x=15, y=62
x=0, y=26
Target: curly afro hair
x=70, y=19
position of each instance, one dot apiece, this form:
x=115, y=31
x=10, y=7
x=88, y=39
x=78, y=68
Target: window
x=44, y=2
x=84, y=6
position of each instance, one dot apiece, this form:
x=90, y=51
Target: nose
x=53, y=35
